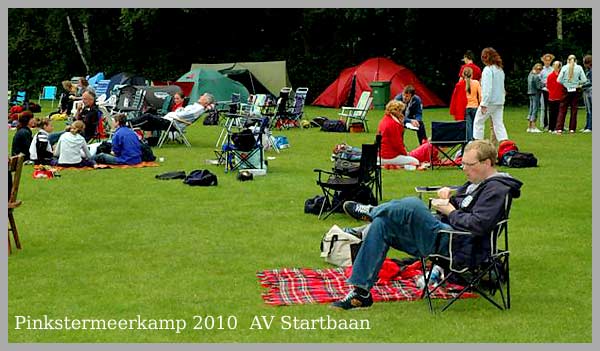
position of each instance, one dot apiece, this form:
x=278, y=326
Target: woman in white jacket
x=492, y=96
x=72, y=146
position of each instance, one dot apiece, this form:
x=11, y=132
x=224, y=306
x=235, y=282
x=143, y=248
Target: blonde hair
x=536, y=66
x=571, y=60
x=467, y=74
x=394, y=105
x=77, y=127
x=485, y=150
x=67, y=85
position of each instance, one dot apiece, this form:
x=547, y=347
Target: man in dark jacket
x=89, y=114
x=413, y=112
x=409, y=226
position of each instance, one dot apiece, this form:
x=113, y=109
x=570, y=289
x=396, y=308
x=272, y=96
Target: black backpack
x=147, y=154
x=313, y=205
x=519, y=159
x=201, y=177
x=212, y=118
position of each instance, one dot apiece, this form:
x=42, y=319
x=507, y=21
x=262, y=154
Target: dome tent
x=211, y=81
x=356, y=79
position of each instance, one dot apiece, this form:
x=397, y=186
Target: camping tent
x=125, y=78
x=211, y=81
x=356, y=79
x=271, y=74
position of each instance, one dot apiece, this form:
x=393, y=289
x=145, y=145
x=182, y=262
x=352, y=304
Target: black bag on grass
x=313, y=205
x=201, y=177
x=519, y=159
x=336, y=125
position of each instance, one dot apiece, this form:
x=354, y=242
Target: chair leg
x=9, y=246
x=13, y=227
x=426, y=293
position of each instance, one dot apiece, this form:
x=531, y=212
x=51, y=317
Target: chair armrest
x=453, y=231
x=175, y=118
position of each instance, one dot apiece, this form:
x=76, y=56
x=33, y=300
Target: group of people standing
x=559, y=87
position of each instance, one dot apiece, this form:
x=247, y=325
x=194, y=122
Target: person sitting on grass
x=71, y=145
x=126, y=146
x=391, y=129
x=40, y=150
x=23, y=136
x=409, y=226
x=89, y=114
x=182, y=116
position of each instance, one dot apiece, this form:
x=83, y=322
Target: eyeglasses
x=470, y=164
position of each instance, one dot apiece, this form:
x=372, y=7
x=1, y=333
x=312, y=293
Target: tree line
x=46, y=46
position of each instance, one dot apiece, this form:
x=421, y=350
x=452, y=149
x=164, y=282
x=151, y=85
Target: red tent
x=374, y=69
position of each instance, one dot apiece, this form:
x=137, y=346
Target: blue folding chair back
x=48, y=93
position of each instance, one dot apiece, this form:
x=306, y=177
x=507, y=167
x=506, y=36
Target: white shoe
x=572, y=131
x=586, y=131
x=528, y=130
x=535, y=130
x=582, y=130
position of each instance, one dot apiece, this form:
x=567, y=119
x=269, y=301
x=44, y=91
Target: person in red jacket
x=556, y=96
x=468, y=60
x=391, y=129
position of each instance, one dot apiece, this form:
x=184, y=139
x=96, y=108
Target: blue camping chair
x=48, y=93
x=20, y=98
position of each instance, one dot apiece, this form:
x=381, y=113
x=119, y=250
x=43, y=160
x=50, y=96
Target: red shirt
x=392, y=137
x=176, y=106
x=474, y=67
x=556, y=91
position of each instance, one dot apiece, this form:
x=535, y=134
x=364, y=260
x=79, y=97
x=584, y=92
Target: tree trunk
x=87, y=68
x=86, y=39
x=559, y=31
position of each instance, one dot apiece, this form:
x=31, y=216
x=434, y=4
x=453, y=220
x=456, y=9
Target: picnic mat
x=290, y=286
x=103, y=166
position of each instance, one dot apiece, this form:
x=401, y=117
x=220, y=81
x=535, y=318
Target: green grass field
x=117, y=243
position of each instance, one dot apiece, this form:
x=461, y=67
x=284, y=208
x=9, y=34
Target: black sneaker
x=353, y=300
x=358, y=211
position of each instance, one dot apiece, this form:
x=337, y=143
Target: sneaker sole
x=350, y=309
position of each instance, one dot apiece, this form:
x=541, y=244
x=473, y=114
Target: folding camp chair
x=358, y=112
x=447, y=138
x=343, y=187
x=176, y=130
x=231, y=111
x=48, y=93
x=244, y=149
x=484, y=270
x=20, y=98
x=102, y=87
x=15, y=168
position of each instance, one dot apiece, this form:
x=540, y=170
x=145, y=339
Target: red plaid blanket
x=289, y=286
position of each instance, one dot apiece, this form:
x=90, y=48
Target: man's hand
x=415, y=123
x=444, y=193
x=444, y=209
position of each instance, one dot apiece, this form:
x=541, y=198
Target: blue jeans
x=534, y=106
x=405, y=225
x=587, y=99
x=107, y=159
x=469, y=118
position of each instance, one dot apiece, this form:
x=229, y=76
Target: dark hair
x=121, y=119
x=43, y=123
x=587, y=59
x=181, y=94
x=469, y=54
x=409, y=89
x=24, y=118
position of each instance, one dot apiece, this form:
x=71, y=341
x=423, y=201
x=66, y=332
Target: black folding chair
x=447, y=138
x=484, y=269
x=343, y=187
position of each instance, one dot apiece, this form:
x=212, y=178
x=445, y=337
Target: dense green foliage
x=116, y=243
x=161, y=44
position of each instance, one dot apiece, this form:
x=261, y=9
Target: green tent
x=211, y=81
